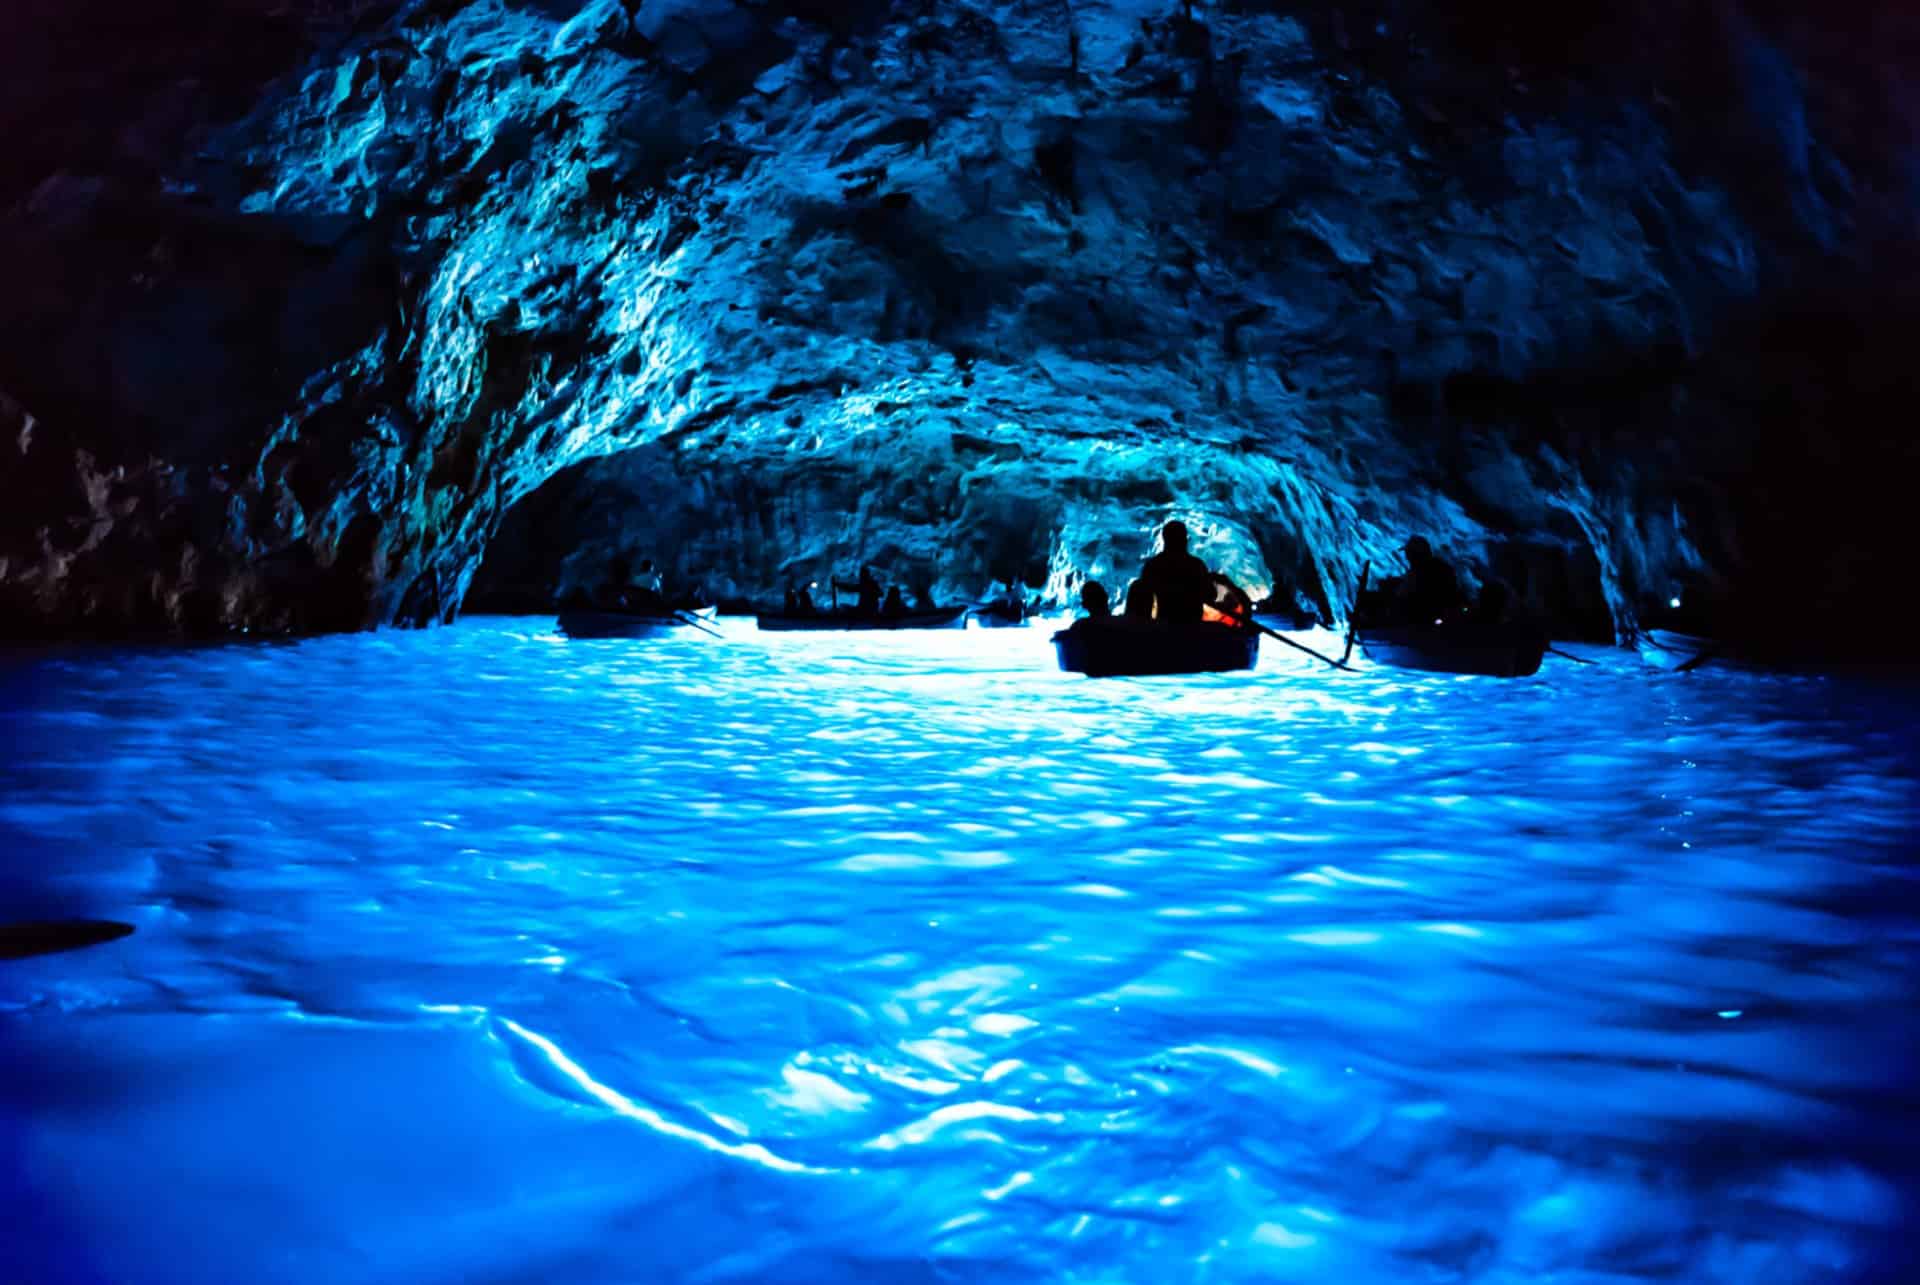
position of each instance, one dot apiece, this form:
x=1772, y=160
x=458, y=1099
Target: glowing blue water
x=481, y=956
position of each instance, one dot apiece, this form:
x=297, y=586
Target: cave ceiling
x=989, y=287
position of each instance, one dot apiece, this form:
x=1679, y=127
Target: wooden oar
x=687, y=619
x=19, y=941
x=1567, y=655
x=1276, y=634
x=1353, y=617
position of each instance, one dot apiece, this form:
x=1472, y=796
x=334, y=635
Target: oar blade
x=23, y=940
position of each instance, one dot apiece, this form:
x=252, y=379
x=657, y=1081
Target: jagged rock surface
x=985, y=288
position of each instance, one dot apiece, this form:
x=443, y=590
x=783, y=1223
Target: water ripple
x=913, y=956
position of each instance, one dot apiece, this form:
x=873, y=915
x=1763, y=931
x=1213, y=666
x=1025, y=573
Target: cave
x=352, y=344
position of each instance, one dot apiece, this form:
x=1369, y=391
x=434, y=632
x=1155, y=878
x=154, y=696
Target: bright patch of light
x=1452, y=930
x=958, y=1113
x=1279, y=1237
x=1335, y=937
x=1251, y=1061
x=1012, y=1184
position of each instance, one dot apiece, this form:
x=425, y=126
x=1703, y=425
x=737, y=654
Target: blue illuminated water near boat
x=478, y=955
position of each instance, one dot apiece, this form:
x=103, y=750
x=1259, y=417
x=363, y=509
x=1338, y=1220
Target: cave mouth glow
x=789, y=957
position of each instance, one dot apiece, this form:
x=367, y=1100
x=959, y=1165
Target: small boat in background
x=936, y=618
x=1667, y=649
x=1499, y=651
x=627, y=622
x=1120, y=647
x=1001, y=615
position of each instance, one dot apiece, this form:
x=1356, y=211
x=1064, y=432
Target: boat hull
x=1665, y=649
x=941, y=618
x=999, y=617
x=1495, y=651
x=1126, y=649
x=591, y=622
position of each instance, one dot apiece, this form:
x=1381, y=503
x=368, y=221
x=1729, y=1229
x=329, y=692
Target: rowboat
x=1501, y=651
x=1666, y=649
x=937, y=618
x=603, y=622
x=1116, y=647
x=1000, y=615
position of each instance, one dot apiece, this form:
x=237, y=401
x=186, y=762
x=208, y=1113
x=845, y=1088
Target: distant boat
x=1120, y=647
x=937, y=618
x=622, y=622
x=1500, y=651
x=1666, y=649
x=1001, y=615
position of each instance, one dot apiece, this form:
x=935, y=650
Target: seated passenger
x=869, y=587
x=1491, y=609
x=1139, y=604
x=895, y=605
x=645, y=589
x=1433, y=591
x=1428, y=594
x=1014, y=603
x=1094, y=601
x=1179, y=582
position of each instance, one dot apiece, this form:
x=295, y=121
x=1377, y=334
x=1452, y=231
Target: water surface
x=479, y=955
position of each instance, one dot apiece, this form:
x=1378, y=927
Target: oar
x=686, y=619
x=19, y=941
x=1567, y=655
x=1353, y=617
x=1275, y=633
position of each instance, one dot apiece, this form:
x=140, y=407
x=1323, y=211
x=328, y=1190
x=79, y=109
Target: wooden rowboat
x=1112, y=648
x=600, y=622
x=938, y=618
x=1500, y=651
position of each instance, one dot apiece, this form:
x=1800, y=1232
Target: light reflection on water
x=794, y=958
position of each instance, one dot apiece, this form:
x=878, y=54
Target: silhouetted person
x=895, y=605
x=1094, y=601
x=869, y=587
x=645, y=589
x=1179, y=582
x=1014, y=603
x=1491, y=609
x=799, y=601
x=1433, y=591
x=1139, y=604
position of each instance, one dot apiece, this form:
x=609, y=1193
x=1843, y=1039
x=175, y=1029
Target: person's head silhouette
x=1173, y=536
